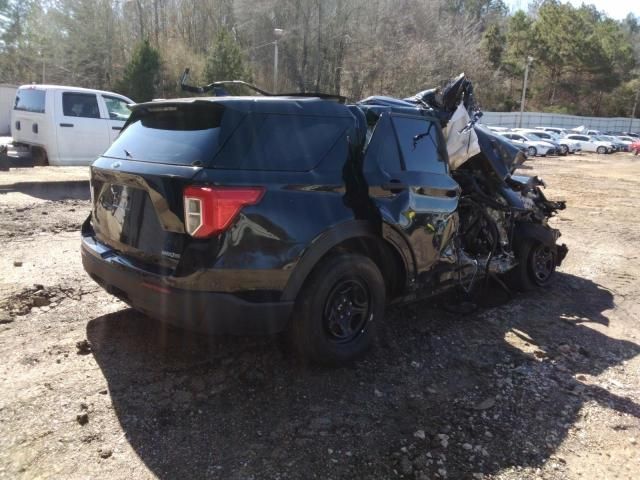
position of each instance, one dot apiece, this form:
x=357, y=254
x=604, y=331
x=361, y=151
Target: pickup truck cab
x=66, y=125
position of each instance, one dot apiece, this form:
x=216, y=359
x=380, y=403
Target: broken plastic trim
x=215, y=87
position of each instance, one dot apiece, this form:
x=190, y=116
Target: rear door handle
x=66, y=124
x=116, y=128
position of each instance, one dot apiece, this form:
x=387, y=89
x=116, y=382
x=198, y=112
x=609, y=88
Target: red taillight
x=210, y=210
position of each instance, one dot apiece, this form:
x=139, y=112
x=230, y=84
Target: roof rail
x=218, y=90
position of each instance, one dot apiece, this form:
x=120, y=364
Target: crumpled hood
x=503, y=156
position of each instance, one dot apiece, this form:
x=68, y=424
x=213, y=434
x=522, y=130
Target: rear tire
x=39, y=156
x=338, y=310
x=536, y=265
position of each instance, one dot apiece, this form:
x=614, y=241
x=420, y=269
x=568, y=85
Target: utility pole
x=633, y=112
x=524, y=89
x=278, y=33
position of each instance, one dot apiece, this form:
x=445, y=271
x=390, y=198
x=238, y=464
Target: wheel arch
x=388, y=250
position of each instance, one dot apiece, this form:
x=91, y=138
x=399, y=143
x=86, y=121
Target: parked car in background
x=591, y=144
x=545, y=137
x=617, y=146
x=565, y=145
x=533, y=146
x=626, y=140
x=620, y=145
x=66, y=125
x=557, y=130
x=635, y=147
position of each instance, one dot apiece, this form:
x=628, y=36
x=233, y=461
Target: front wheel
x=564, y=150
x=338, y=310
x=532, y=152
x=536, y=265
x=601, y=150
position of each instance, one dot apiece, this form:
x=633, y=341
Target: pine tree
x=226, y=61
x=141, y=74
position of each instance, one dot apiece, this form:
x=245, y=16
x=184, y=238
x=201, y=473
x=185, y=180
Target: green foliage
x=583, y=61
x=226, y=61
x=141, y=74
x=493, y=45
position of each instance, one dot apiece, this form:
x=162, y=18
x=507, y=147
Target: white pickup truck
x=66, y=125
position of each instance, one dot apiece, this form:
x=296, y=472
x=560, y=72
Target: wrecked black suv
x=273, y=213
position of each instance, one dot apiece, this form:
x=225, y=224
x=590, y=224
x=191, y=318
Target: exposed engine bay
x=503, y=218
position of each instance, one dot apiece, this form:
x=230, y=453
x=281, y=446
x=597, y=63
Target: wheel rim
x=543, y=263
x=565, y=149
x=531, y=152
x=347, y=310
x=601, y=149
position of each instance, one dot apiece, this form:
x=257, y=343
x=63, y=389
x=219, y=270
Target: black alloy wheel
x=536, y=265
x=347, y=310
x=542, y=263
x=339, y=309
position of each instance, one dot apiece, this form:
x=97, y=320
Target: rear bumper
x=203, y=311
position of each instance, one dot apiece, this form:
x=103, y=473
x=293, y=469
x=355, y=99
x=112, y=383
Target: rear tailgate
x=137, y=209
x=138, y=183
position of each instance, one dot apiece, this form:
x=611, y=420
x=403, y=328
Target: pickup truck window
x=117, y=108
x=30, y=100
x=80, y=105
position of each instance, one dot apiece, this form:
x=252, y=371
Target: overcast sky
x=617, y=9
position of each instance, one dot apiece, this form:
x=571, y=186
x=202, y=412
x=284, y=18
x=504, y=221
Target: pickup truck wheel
x=536, y=265
x=601, y=150
x=338, y=309
x=532, y=152
x=39, y=156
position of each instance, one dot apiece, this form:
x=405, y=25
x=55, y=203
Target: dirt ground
x=546, y=386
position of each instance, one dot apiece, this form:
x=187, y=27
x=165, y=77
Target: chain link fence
x=536, y=119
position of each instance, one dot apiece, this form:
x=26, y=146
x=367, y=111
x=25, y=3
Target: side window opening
x=419, y=145
x=80, y=105
x=117, y=108
x=382, y=148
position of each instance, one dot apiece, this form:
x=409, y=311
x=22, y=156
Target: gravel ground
x=544, y=386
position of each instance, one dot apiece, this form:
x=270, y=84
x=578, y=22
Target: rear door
x=81, y=131
x=118, y=112
x=28, y=116
x=406, y=169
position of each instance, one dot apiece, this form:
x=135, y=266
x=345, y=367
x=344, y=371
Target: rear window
x=177, y=135
x=281, y=142
x=30, y=100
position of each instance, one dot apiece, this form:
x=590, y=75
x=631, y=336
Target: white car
x=590, y=144
x=567, y=145
x=626, y=140
x=534, y=147
x=557, y=130
x=66, y=125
